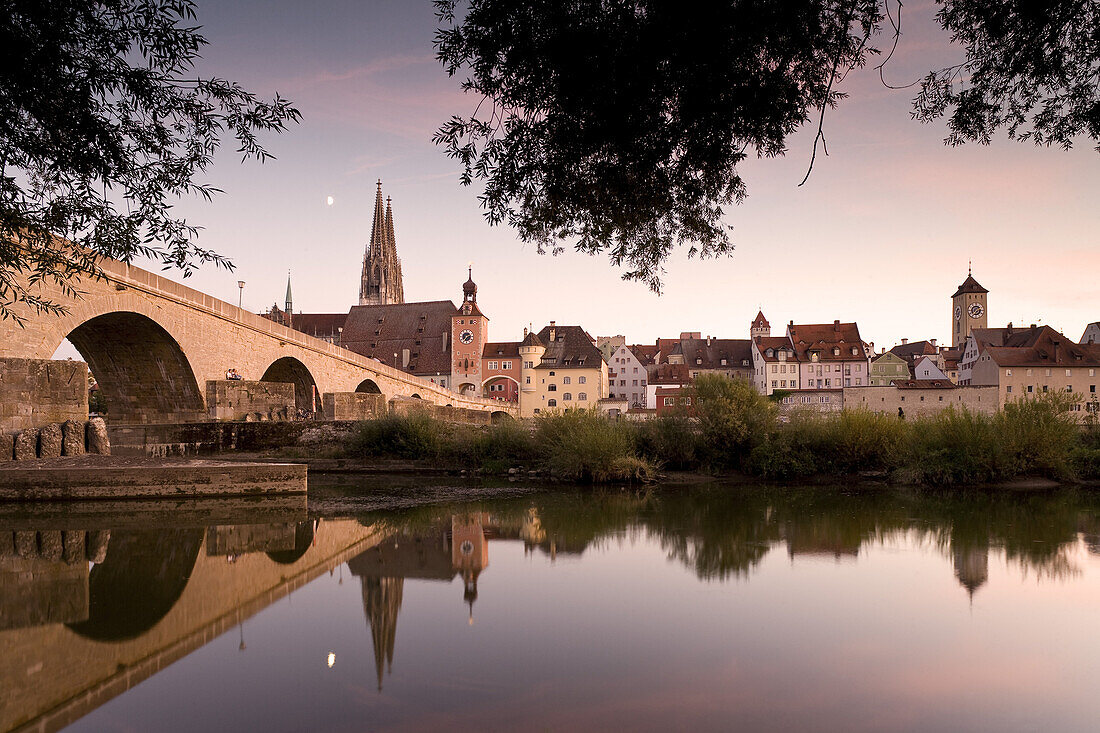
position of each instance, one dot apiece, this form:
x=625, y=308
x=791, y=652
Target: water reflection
x=93, y=604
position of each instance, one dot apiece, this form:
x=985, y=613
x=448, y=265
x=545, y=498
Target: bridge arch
x=143, y=373
x=500, y=416
x=289, y=370
x=368, y=386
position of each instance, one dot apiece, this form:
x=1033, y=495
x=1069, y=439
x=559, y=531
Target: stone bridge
x=152, y=344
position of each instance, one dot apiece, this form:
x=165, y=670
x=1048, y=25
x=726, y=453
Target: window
x=669, y=401
x=1029, y=372
x=552, y=388
x=858, y=381
x=567, y=397
x=643, y=382
x=687, y=400
x=552, y=403
x=774, y=384
x=581, y=380
x=622, y=382
x=1008, y=372
x=505, y=365
x=1069, y=372
x=582, y=396
x=528, y=380
x=1092, y=388
x=1048, y=372
x=492, y=365
x=1069, y=388
x=565, y=380
x=551, y=374
x=1030, y=388
x=1008, y=390
x=1045, y=389
x=635, y=384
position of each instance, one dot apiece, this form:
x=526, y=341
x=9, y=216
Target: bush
x=494, y=447
x=733, y=418
x=670, y=440
x=1039, y=434
x=583, y=445
x=957, y=447
x=415, y=435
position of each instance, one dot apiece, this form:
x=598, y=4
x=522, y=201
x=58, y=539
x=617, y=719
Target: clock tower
x=969, y=310
x=469, y=331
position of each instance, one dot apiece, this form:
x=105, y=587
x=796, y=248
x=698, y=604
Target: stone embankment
x=56, y=440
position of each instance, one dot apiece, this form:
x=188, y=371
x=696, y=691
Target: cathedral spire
x=381, y=282
x=289, y=300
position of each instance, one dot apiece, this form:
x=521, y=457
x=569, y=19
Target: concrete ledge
x=106, y=480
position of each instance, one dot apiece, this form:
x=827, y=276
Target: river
x=422, y=604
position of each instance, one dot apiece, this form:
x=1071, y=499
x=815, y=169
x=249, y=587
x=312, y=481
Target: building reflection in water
x=462, y=550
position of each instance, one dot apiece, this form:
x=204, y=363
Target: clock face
x=466, y=336
x=975, y=310
x=958, y=312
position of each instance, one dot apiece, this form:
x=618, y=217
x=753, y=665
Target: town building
x=669, y=376
x=914, y=351
x=830, y=355
x=381, y=282
x=760, y=328
x=969, y=310
x=1091, y=334
x=888, y=368
x=561, y=369
x=775, y=365
x=608, y=344
x=927, y=369
x=502, y=371
x=1034, y=361
x=627, y=377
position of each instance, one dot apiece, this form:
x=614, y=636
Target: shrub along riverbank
x=738, y=430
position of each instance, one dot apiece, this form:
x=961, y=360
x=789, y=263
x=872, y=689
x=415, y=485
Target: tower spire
x=289, y=300
x=381, y=282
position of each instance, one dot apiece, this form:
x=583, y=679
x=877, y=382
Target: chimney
x=904, y=342
x=933, y=342
x=404, y=358
x=553, y=331
x=836, y=322
x=1008, y=330
x=709, y=338
x=1032, y=326
x=525, y=332
x=446, y=336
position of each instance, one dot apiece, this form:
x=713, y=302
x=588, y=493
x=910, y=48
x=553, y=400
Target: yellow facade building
x=561, y=369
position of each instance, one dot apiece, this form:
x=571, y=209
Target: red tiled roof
x=500, y=348
x=668, y=374
x=822, y=338
x=1042, y=346
x=644, y=353
x=763, y=343
x=709, y=353
x=969, y=285
x=910, y=351
x=760, y=321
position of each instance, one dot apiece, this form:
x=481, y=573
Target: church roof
x=969, y=285
x=380, y=331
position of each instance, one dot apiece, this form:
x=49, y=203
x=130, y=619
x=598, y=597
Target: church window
x=552, y=403
x=581, y=380
x=567, y=397
x=582, y=396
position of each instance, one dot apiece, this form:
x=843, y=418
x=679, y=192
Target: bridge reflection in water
x=89, y=611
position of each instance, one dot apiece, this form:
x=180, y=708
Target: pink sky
x=880, y=234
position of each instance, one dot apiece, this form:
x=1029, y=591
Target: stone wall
x=238, y=399
x=916, y=402
x=353, y=405
x=37, y=392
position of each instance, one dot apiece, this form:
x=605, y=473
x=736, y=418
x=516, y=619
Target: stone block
x=353, y=405
x=237, y=399
x=95, y=545
x=72, y=438
x=72, y=542
x=7, y=447
x=36, y=392
x=97, y=440
x=26, y=445
x=26, y=543
x=7, y=544
x=49, y=441
x=50, y=545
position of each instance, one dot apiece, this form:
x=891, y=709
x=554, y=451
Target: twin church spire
x=382, y=282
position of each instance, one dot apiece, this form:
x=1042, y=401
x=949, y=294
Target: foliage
x=583, y=445
x=1032, y=68
x=102, y=128
x=618, y=127
x=733, y=417
x=414, y=435
x=672, y=441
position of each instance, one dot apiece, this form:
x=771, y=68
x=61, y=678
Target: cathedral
x=381, y=283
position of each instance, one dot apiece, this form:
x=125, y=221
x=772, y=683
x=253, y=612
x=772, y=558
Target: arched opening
x=501, y=388
x=289, y=370
x=142, y=373
x=303, y=540
x=467, y=389
x=416, y=396
x=368, y=386
x=140, y=581
x=499, y=417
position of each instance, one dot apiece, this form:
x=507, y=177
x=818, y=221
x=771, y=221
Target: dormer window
x=769, y=353
x=698, y=360
x=723, y=362
x=836, y=351
x=855, y=352
x=813, y=356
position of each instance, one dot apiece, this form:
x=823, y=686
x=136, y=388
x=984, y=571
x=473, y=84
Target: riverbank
x=738, y=435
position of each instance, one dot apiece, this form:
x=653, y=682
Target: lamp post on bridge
x=240, y=298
